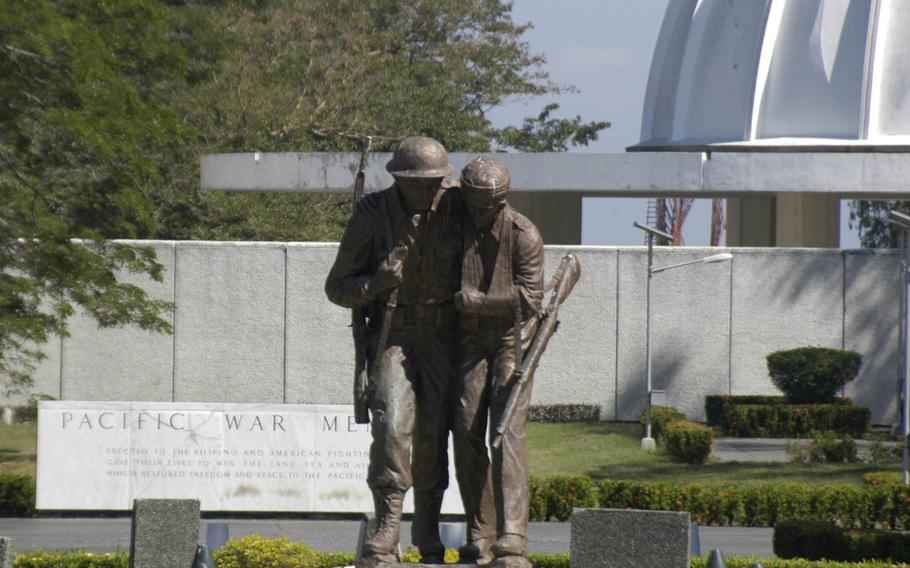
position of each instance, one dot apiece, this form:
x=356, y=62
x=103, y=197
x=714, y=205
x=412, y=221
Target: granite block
x=618, y=538
x=165, y=533
x=6, y=552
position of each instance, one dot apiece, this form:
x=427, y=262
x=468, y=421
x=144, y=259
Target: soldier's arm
x=527, y=270
x=527, y=276
x=348, y=282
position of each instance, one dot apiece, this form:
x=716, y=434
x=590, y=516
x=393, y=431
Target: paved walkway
x=766, y=449
x=110, y=535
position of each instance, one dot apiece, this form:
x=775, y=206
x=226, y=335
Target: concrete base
x=648, y=445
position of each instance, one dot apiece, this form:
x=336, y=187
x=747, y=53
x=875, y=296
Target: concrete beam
x=846, y=175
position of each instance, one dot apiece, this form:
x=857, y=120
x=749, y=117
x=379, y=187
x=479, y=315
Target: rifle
x=358, y=317
x=562, y=283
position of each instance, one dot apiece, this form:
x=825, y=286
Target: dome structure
x=780, y=73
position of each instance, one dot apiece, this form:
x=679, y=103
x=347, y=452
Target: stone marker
x=165, y=533
x=618, y=538
x=6, y=552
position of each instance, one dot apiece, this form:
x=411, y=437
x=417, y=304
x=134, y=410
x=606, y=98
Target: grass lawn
x=18, y=448
x=611, y=451
x=600, y=450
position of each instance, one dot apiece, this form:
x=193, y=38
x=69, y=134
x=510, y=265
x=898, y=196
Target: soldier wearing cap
x=411, y=374
x=500, y=297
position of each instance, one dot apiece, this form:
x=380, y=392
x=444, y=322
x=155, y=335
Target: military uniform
x=411, y=377
x=503, y=271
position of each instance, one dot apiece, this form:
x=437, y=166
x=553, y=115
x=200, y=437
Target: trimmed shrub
x=816, y=540
x=564, y=413
x=832, y=447
x=17, y=495
x=566, y=493
x=715, y=404
x=336, y=559
x=254, y=551
x=688, y=442
x=42, y=559
x=549, y=560
x=660, y=416
x=793, y=421
x=813, y=375
x=883, y=478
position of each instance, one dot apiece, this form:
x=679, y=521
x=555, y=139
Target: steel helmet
x=419, y=157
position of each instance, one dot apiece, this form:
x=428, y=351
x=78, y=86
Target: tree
x=318, y=75
x=85, y=116
x=871, y=217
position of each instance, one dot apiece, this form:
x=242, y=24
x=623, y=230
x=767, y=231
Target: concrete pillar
x=557, y=215
x=787, y=220
x=808, y=220
x=751, y=221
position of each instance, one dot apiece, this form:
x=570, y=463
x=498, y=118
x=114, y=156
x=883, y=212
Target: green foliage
x=546, y=134
x=318, y=75
x=567, y=493
x=817, y=540
x=42, y=559
x=660, y=417
x=335, y=559
x=411, y=554
x=86, y=117
x=553, y=413
x=762, y=505
x=813, y=375
x=17, y=495
x=254, y=551
x=688, y=442
x=715, y=404
x=883, y=478
x=793, y=421
x=549, y=560
x=831, y=447
x=871, y=218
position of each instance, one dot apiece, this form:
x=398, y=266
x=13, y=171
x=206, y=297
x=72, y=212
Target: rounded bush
x=813, y=375
x=254, y=551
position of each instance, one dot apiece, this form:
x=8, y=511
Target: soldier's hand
x=469, y=301
x=369, y=204
x=390, y=272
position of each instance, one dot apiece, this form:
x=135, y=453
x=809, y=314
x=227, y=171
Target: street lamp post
x=902, y=222
x=647, y=443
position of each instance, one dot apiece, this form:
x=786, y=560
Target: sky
x=604, y=49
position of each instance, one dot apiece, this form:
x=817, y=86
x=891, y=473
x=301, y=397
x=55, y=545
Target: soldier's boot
x=380, y=548
x=511, y=550
x=425, y=528
x=481, y=533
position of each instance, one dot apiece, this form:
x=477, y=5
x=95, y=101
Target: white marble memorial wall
x=232, y=457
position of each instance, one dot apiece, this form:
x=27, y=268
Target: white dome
x=780, y=72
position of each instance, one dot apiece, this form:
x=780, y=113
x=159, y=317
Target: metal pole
x=905, y=317
x=647, y=443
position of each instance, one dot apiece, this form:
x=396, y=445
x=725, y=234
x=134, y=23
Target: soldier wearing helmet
x=406, y=239
x=500, y=296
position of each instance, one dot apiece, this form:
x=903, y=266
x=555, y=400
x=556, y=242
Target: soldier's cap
x=487, y=175
x=419, y=157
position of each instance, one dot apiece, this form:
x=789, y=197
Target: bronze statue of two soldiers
x=449, y=280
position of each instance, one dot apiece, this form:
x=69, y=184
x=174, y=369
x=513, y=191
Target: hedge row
x=715, y=404
x=793, y=420
x=564, y=413
x=255, y=552
x=17, y=495
x=337, y=559
x=816, y=540
x=763, y=505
